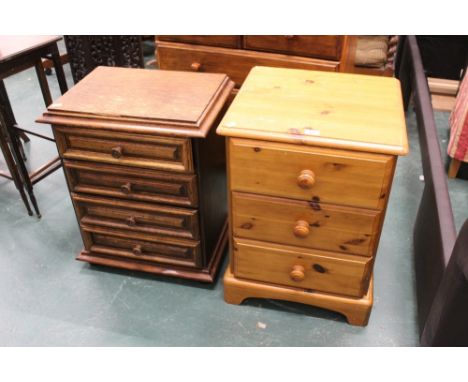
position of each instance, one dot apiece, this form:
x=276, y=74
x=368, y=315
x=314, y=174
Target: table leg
x=55, y=57
x=43, y=83
x=11, y=164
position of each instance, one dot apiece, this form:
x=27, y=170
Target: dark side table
x=18, y=53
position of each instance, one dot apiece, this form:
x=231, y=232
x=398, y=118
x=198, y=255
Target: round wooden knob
x=130, y=221
x=301, y=229
x=116, y=152
x=306, y=179
x=297, y=273
x=126, y=188
x=195, y=66
x=137, y=250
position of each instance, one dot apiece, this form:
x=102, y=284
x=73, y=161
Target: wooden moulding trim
x=251, y=54
x=144, y=126
x=207, y=274
x=314, y=141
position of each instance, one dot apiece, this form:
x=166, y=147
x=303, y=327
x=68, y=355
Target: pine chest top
x=349, y=111
x=140, y=100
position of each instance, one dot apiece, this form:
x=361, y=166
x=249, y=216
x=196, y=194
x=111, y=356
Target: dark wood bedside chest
x=145, y=169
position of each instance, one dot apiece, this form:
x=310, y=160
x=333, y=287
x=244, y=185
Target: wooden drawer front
x=305, y=269
x=171, y=154
x=151, y=219
x=233, y=62
x=325, y=47
x=311, y=225
x=226, y=41
x=132, y=249
x=306, y=173
x=131, y=183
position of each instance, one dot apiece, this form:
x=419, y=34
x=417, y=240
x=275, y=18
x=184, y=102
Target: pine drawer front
x=305, y=269
x=150, y=219
x=162, y=251
x=325, y=47
x=161, y=153
x=234, y=62
x=310, y=173
x=131, y=183
x=310, y=225
x=226, y=41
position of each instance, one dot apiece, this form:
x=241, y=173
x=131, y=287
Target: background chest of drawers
x=144, y=168
x=235, y=55
x=311, y=157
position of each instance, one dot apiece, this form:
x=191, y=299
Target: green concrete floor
x=49, y=299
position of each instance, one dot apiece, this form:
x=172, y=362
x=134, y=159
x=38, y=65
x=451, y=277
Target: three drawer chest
x=145, y=168
x=310, y=159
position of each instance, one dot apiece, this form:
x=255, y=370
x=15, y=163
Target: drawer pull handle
x=301, y=229
x=306, y=179
x=195, y=66
x=131, y=221
x=137, y=250
x=126, y=188
x=117, y=152
x=297, y=273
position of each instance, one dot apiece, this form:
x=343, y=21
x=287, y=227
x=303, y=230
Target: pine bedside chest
x=311, y=157
x=145, y=168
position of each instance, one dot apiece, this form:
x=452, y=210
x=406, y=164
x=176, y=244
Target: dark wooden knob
x=195, y=66
x=306, y=179
x=297, y=273
x=137, y=250
x=116, y=152
x=290, y=37
x=301, y=229
x=130, y=221
x=126, y=188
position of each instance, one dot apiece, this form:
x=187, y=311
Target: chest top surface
x=349, y=111
x=180, y=103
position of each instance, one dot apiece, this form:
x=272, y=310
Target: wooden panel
x=281, y=170
x=305, y=269
x=163, y=153
x=150, y=219
x=132, y=249
x=326, y=47
x=305, y=107
x=305, y=224
x=148, y=95
x=131, y=183
x=235, y=63
x=227, y=41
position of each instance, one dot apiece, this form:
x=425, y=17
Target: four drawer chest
x=145, y=168
x=310, y=160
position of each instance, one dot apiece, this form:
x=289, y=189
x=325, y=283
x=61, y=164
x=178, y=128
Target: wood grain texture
x=331, y=227
x=271, y=168
x=324, y=47
x=228, y=41
x=234, y=62
x=319, y=270
x=356, y=310
x=206, y=274
x=336, y=110
x=149, y=101
x=152, y=219
x=131, y=183
x=136, y=150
